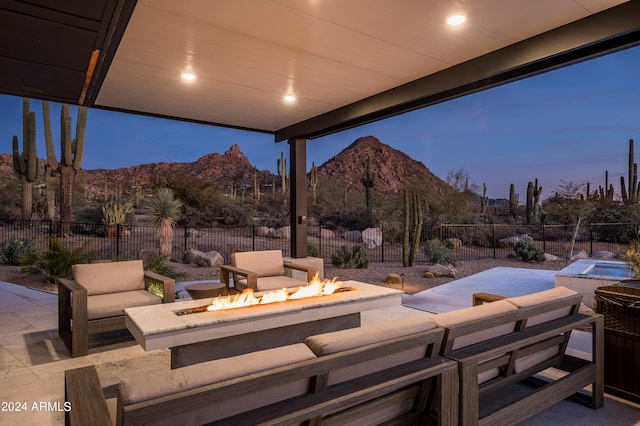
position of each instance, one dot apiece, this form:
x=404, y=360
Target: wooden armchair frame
x=74, y=327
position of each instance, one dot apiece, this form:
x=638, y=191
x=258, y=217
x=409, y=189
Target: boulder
x=453, y=243
x=192, y=232
x=284, y=233
x=211, y=259
x=440, y=270
x=548, y=257
x=148, y=254
x=262, y=231
x=327, y=233
x=372, y=237
x=578, y=254
x=606, y=255
x=353, y=236
x=511, y=241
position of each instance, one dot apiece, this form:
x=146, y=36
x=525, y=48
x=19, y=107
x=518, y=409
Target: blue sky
x=570, y=124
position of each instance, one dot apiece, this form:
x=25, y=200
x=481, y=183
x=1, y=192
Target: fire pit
x=204, y=335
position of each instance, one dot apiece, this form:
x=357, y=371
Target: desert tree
x=164, y=210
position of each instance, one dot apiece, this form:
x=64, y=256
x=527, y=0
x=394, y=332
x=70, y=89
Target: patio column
x=298, y=196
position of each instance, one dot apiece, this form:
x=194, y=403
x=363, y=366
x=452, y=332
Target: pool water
x=608, y=270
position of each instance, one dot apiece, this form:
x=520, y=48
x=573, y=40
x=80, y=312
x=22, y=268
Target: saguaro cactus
x=513, y=201
x=313, y=180
x=369, y=181
x=633, y=195
x=484, y=200
x=71, y=153
x=282, y=172
x=256, y=186
x=411, y=241
x=25, y=165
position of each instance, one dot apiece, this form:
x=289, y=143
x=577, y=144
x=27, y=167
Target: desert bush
x=528, y=252
x=160, y=266
x=312, y=249
x=393, y=279
x=354, y=257
x=436, y=252
x=16, y=249
x=55, y=262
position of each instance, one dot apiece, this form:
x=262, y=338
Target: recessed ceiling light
x=457, y=19
x=188, y=76
x=289, y=98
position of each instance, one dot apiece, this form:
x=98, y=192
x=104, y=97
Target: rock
x=192, y=232
x=453, y=243
x=548, y=257
x=372, y=237
x=578, y=254
x=211, y=259
x=263, y=231
x=606, y=255
x=439, y=270
x=511, y=241
x=284, y=233
x=353, y=236
x=327, y=233
x=148, y=254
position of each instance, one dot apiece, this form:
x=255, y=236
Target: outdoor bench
x=512, y=340
x=380, y=373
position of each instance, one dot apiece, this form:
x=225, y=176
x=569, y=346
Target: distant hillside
x=395, y=169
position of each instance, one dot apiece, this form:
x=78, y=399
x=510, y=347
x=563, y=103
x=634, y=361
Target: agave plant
x=164, y=209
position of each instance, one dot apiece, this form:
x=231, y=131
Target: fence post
x=320, y=253
x=253, y=237
x=185, y=238
x=544, y=239
x=382, y=245
x=118, y=240
x=591, y=239
x=493, y=237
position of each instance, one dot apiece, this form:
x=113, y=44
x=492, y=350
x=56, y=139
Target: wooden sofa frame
x=74, y=327
x=503, y=351
x=348, y=400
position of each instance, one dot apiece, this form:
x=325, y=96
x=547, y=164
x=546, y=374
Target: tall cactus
x=413, y=214
x=71, y=153
x=513, y=201
x=484, y=200
x=632, y=196
x=529, y=206
x=256, y=186
x=313, y=180
x=50, y=183
x=282, y=172
x=25, y=165
x=369, y=181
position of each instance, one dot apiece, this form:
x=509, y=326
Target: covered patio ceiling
x=347, y=62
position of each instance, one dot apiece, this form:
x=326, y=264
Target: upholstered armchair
x=262, y=271
x=94, y=299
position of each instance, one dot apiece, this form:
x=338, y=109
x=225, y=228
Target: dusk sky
x=568, y=125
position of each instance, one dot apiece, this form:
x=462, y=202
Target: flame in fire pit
x=314, y=288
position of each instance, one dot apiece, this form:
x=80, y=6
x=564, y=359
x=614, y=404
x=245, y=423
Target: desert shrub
x=393, y=279
x=436, y=252
x=429, y=275
x=160, y=266
x=355, y=257
x=55, y=262
x=312, y=249
x=528, y=252
x=16, y=249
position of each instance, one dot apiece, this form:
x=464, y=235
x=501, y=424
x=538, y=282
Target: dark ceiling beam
x=606, y=32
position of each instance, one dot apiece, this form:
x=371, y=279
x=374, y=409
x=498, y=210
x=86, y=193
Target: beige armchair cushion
x=264, y=263
x=273, y=283
x=110, y=277
x=541, y=297
x=338, y=341
x=477, y=313
x=113, y=304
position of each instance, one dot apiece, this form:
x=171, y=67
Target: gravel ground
x=414, y=280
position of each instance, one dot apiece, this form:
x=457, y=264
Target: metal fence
x=472, y=241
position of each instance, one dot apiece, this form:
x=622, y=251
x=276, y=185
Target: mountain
x=395, y=170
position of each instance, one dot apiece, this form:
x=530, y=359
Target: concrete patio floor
x=33, y=359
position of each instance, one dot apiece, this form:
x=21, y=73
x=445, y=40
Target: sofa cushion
x=272, y=283
x=475, y=314
x=113, y=304
x=338, y=341
x=110, y=277
x=542, y=297
x=264, y=263
x=148, y=386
